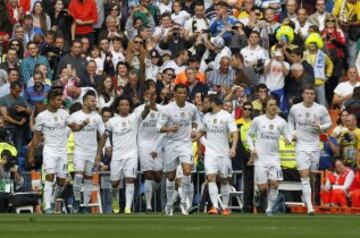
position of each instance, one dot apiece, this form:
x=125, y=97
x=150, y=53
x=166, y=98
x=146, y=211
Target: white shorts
x=123, y=168
x=175, y=154
x=148, y=163
x=84, y=163
x=55, y=163
x=265, y=173
x=307, y=160
x=220, y=165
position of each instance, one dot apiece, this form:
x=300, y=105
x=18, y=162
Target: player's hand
x=22, y=121
x=173, y=129
x=19, y=108
x=86, y=122
x=154, y=154
x=316, y=125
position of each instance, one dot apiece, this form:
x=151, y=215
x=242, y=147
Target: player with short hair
x=85, y=148
x=218, y=125
x=149, y=143
x=306, y=121
x=51, y=124
x=177, y=120
x=123, y=129
x=266, y=131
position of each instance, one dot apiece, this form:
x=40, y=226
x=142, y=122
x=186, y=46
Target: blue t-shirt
x=326, y=155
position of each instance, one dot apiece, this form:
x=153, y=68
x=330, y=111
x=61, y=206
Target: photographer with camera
x=349, y=143
x=10, y=177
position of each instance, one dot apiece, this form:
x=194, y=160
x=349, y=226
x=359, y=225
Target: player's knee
x=115, y=184
x=61, y=181
x=50, y=177
x=274, y=184
x=129, y=180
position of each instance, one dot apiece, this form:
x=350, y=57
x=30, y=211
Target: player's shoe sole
x=127, y=210
x=169, y=210
x=226, y=212
x=115, y=206
x=213, y=211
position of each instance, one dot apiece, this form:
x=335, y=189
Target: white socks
x=225, y=191
x=88, y=188
x=170, y=188
x=214, y=194
x=48, y=190
x=148, y=189
x=115, y=193
x=78, y=182
x=272, y=196
x=129, y=194
x=186, y=189
x=306, y=191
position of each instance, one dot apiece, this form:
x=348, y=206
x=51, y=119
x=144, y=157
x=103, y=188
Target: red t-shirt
x=85, y=11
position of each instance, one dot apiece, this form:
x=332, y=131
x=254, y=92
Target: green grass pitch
x=192, y=226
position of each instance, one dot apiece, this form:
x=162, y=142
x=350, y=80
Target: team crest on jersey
x=124, y=124
x=215, y=120
x=271, y=127
x=307, y=115
x=182, y=114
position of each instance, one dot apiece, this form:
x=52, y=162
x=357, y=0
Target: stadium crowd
x=109, y=80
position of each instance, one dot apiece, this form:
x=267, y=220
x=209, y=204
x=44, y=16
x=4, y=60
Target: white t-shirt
x=183, y=117
x=172, y=64
x=251, y=55
x=301, y=119
x=181, y=17
x=267, y=132
x=345, y=88
x=117, y=57
x=304, y=30
x=275, y=78
x=149, y=136
x=196, y=25
x=53, y=127
x=86, y=139
x=218, y=127
x=123, y=131
x=164, y=8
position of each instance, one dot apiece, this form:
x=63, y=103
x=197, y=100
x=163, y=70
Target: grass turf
x=193, y=226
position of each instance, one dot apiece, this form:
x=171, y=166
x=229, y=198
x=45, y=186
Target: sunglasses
x=138, y=42
x=247, y=109
x=114, y=9
x=330, y=21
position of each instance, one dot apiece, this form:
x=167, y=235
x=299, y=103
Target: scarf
x=319, y=66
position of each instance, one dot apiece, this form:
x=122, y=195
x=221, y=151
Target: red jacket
x=339, y=179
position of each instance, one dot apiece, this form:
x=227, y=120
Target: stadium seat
x=233, y=194
x=291, y=186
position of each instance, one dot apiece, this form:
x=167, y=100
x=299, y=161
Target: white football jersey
x=301, y=119
x=267, y=133
x=218, y=127
x=124, y=131
x=53, y=127
x=148, y=135
x=183, y=117
x=86, y=139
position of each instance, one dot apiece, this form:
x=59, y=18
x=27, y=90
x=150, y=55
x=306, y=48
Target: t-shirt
x=123, y=131
x=10, y=103
x=275, y=78
x=345, y=88
x=53, y=127
x=349, y=143
x=268, y=132
x=183, y=117
x=301, y=119
x=218, y=127
x=149, y=136
x=86, y=139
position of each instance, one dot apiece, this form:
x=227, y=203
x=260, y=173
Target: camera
x=11, y=161
x=347, y=137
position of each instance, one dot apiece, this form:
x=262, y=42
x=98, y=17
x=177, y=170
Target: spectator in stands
x=85, y=15
x=41, y=18
x=30, y=29
x=338, y=185
x=16, y=111
x=106, y=93
x=329, y=149
x=318, y=18
x=353, y=104
x=90, y=79
x=344, y=90
x=12, y=60
x=13, y=75
x=111, y=30
x=133, y=88
x=73, y=60
x=29, y=63
x=37, y=92
x=194, y=85
x=261, y=94
x=135, y=56
x=197, y=24
x=221, y=79
x=340, y=124
x=290, y=11
x=349, y=142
